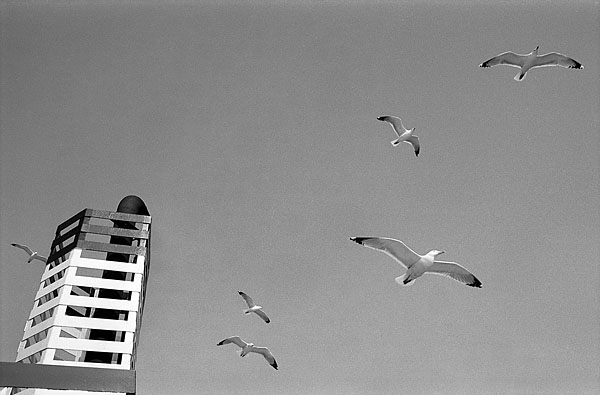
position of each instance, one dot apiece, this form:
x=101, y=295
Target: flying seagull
x=32, y=254
x=404, y=135
x=249, y=347
x=416, y=264
x=531, y=60
x=253, y=308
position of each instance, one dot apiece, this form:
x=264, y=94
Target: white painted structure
x=88, y=308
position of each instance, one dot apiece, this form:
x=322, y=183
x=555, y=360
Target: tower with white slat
x=88, y=309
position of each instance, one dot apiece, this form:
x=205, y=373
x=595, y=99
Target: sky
x=250, y=131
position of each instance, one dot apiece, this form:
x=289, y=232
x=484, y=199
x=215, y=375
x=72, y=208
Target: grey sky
x=250, y=132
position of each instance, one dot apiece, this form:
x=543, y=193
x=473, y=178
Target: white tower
x=88, y=308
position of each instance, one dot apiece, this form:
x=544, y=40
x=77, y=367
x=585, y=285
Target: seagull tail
x=395, y=143
x=247, y=311
x=402, y=280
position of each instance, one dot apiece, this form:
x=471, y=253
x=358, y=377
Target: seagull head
x=436, y=252
x=536, y=48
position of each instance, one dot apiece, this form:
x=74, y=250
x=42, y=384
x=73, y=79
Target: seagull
x=405, y=136
x=416, y=264
x=531, y=60
x=253, y=308
x=32, y=254
x=249, y=347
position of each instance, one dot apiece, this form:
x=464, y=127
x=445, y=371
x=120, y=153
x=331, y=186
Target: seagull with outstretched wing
x=416, y=265
x=531, y=60
x=253, y=308
x=32, y=254
x=404, y=135
x=250, y=347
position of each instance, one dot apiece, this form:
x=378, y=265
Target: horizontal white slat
x=55, y=270
x=33, y=349
x=134, y=286
x=55, y=285
x=102, y=303
x=44, y=291
x=37, y=329
x=98, y=323
x=90, y=365
x=108, y=265
x=90, y=345
x=37, y=310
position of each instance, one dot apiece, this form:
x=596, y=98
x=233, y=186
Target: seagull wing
x=507, y=58
x=39, y=258
x=267, y=354
x=248, y=299
x=262, y=315
x=394, y=248
x=395, y=122
x=23, y=247
x=414, y=140
x=454, y=271
x=556, y=59
x=233, y=339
